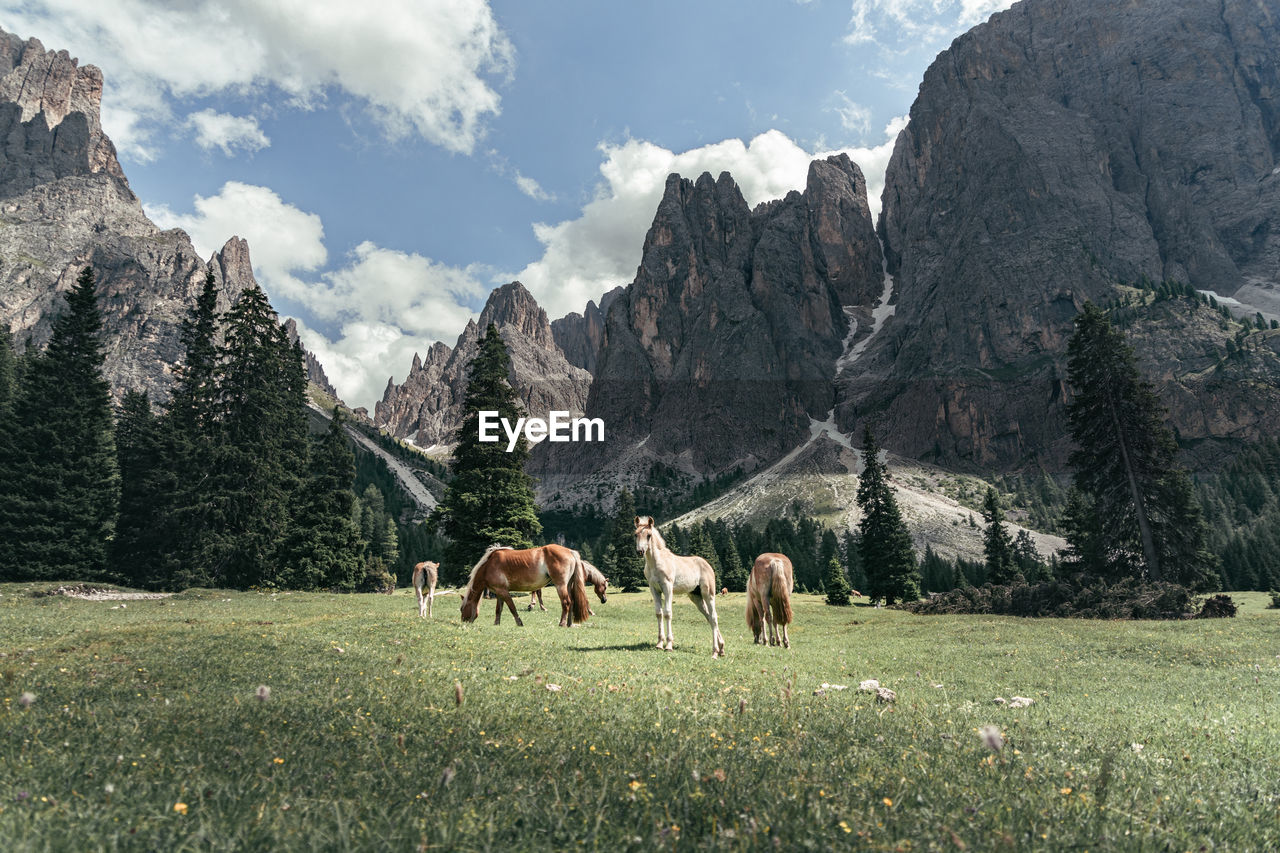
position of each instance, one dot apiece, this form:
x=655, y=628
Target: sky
x=392, y=162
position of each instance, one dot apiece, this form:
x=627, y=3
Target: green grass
x=1144, y=736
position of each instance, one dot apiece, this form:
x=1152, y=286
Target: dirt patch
x=89, y=593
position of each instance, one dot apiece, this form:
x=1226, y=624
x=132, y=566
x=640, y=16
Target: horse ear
x=637, y=521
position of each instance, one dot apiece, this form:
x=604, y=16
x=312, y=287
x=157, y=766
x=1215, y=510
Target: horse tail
x=580, y=606
x=419, y=576
x=471, y=578
x=782, y=601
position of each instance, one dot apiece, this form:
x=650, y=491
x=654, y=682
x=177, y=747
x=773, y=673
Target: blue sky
x=391, y=162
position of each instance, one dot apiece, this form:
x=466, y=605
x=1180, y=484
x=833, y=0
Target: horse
x=668, y=574
x=425, y=575
x=592, y=576
x=769, y=598
x=503, y=569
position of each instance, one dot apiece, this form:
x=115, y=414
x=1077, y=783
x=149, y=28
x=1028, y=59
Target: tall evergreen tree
x=140, y=553
x=625, y=566
x=490, y=498
x=59, y=485
x=885, y=544
x=700, y=545
x=8, y=368
x=323, y=546
x=1148, y=523
x=997, y=545
x=835, y=584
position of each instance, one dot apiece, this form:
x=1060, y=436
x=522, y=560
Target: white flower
x=263, y=693
x=992, y=738
x=1136, y=747
x=26, y=699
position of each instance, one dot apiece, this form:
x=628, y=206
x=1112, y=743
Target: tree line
x=223, y=487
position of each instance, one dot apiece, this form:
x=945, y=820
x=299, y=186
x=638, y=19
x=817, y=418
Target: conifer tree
x=59, y=485
x=625, y=566
x=1029, y=560
x=997, y=545
x=140, y=553
x=835, y=584
x=323, y=547
x=490, y=498
x=8, y=367
x=1144, y=515
x=700, y=546
x=885, y=544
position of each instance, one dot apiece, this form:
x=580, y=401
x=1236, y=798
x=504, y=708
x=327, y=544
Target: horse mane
x=466, y=592
x=593, y=575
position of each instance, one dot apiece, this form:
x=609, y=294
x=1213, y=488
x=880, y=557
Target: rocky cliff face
x=427, y=406
x=65, y=204
x=581, y=336
x=1061, y=147
x=723, y=348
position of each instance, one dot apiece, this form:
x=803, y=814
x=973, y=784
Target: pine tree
x=8, y=368
x=700, y=546
x=1029, y=560
x=1147, y=521
x=836, y=584
x=625, y=566
x=885, y=545
x=490, y=498
x=997, y=545
x=140, y=553
x=59, y=485
x=323, y=547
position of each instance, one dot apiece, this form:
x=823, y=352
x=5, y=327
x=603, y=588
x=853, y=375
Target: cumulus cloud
x=384, y=304
x=600, y=249
x=928, y=21
x=422, y=67
x=226, y=132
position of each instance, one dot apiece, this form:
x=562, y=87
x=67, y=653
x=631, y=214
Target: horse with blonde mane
x=503, y=570
x=769, y=598
x=591, y=576
x=425, y=575
x=668, y=574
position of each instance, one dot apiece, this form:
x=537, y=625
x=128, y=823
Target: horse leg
x=657, y=611
x=505, y=596
x=668, y=599
x=497, y=612
x=566, y=605
x=707, y=607
x=536, y=594
x=431, y=602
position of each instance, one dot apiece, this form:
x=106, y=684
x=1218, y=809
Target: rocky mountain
x=581, y=336
x=427, y=406
x=1062, y=148
x=65, y=204
x=315, y=370
x=721, y=351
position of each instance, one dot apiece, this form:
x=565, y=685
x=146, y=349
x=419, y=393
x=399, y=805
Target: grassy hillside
x=145, y=733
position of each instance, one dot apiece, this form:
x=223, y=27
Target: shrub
x=1078, y=597
x=1275, y=599
x=1217, y=607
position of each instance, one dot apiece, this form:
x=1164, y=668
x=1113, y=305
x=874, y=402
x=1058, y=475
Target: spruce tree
x=322, y=549
x=885, y=544
x=59, y=485
x=700, y=545
x=997, y=545
x=8, y=368
x=625, y=566
x=1146, y=519
x=490, y=497
x=140, y=553
x=835, y=584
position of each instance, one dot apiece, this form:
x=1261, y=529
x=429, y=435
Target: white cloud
x=226, y=132
x=600, y=249
x=854, y=117
x=918, y=21
x=419, y=66
x=385, y=304
x=532, y=188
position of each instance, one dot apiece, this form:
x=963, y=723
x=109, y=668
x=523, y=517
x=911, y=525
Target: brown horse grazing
x=502, y=570
x=769, y=598
x=668, y=574
x=592, y=576
x=424, y=585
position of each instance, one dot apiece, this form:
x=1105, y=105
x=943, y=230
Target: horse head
x=647, y=535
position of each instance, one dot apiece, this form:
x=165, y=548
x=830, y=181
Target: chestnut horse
x=424, y=585
x=502, y=570
x=769, y=598
x=593, y=577
x=668, y=574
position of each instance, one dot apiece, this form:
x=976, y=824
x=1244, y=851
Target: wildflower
x=109, y=788
x=1064, y=791
x=1136, y=747
x=888, y=803
x=992, y=738
x=180, y=808
x=263, y=693
x=26, y=699
x=277, y=761
x=845, y=826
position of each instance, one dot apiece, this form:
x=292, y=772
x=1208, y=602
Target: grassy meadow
x=146, y=732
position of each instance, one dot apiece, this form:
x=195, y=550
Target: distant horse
x=502, y=570
x=424, y=585
x=769, y=598
x=592, y=576
x=668, y=574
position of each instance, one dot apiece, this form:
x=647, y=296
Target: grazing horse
x=668, y=574
x=424, y=585
x=502, y=570
x=592, y=576
x=769, y=598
